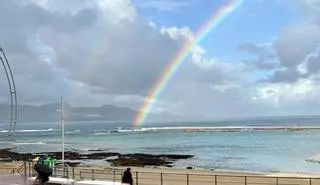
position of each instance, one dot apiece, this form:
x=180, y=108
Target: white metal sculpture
x=10, y=124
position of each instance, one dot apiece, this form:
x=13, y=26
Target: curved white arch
x=13, y=94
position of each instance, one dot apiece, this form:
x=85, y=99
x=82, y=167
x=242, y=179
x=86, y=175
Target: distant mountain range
x=50, y=112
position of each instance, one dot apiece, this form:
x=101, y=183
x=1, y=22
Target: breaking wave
x=73, y=132
x=35, y=143
x=101, y=133
x=226, y=129
x=23, y=131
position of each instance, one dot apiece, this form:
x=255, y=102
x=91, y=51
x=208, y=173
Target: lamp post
x=61, y=110
x=62, y=133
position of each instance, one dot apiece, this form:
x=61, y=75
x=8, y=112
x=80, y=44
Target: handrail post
x=277, y=179
x=161, y=178
x=73, y=175
x=245, y=180
x=63, y=170
x=137, y=178
x=310, y=180
x=92, y=173
x=25, y=170
x=29, y=168
x=114, y=175
x=215, y=180
x=187, y=179
x=67, y=173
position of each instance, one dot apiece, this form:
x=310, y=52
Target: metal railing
x=169, y=178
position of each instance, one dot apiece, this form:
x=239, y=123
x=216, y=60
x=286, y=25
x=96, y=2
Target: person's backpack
x=43, y=169
x=50, y=173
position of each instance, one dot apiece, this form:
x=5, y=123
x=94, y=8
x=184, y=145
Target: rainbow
x=183, y=53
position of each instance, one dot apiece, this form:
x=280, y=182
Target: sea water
x=238, y=148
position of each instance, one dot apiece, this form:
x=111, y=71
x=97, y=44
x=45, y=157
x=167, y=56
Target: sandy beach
x=175, y=176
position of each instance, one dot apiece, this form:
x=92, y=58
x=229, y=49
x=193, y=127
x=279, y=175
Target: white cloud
x=223, y=87
x=121, y=9
x=281, y=94
x=164, y=5
x=177, y=33
x=312, y=4
x=216, y=70
x=103, y=52
x=153, y=25
x=45, y=53
x=296, y=42
x=59, y=6
x=93, y=51
x=199, y=59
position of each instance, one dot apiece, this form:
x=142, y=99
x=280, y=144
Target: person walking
x=127, y=177
x=43, y=173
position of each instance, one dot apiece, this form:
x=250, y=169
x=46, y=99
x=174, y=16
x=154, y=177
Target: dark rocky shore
x=114, y=158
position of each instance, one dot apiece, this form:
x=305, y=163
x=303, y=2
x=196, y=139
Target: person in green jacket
x=47, y=161
x=53, y=162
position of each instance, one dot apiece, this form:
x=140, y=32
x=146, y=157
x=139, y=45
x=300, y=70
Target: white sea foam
x=314, y=158
x=101, y=133
x=35, y=143
x=21, y=131
x=303, y=175
x=125, y=130
x=73, y=132
x=226, y=128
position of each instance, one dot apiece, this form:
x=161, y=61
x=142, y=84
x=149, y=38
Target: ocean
x=226, y=144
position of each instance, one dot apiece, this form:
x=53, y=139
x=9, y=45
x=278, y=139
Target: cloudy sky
x=263, y=59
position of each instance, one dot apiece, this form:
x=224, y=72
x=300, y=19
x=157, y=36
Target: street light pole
x=62, y=133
